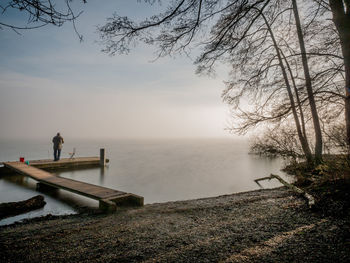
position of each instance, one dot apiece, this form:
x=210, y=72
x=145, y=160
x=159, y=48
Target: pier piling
x=102, y=157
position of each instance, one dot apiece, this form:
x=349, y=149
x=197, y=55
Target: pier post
x=107, y=206
x=102, y=157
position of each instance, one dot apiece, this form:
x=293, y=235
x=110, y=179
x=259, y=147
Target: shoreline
x=270, y=225
x=92, y=211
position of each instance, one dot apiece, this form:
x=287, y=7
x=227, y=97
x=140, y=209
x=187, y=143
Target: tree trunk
x=341, y=19
x=302, y=118
x=310, y=198
x=16, y=208
x=315, y=119
x=302, y=139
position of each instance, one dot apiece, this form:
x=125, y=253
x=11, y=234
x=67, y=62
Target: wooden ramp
x=108, y=198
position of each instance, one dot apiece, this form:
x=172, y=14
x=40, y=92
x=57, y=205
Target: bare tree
x=341, y=18
x=38, y=13
x=281, y=141
x=308, y=84
x=301, y=135
x=270, y=67
x=183, y=25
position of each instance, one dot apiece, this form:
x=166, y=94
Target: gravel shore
x=259, y=226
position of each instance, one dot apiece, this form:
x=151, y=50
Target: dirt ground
x=258, y=226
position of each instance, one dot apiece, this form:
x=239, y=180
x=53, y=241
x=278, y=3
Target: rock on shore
x=259, y=226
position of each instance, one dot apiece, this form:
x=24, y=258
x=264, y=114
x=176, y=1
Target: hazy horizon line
x=67, y=137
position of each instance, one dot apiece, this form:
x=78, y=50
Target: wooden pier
x=67, y=163
x=108, y=198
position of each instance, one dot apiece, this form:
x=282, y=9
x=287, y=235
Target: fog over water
x=130, y=105
x=159, y=170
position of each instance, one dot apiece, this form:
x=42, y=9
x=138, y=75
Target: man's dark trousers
x=57, y=154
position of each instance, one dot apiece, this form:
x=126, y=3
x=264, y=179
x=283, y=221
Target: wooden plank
x=89, y=190
x=66, y=163
x=65, y=160
x=28, y=170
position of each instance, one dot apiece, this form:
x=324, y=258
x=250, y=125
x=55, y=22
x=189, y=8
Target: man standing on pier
x=57, y=146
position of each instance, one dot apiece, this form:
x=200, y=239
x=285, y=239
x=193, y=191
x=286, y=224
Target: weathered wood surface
x=28, y=170
x=89, y=190
x=16, y=208
x=86, y=189
x=310, y=198
x=66, y=163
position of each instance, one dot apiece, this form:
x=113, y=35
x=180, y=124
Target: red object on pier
x=21, y=159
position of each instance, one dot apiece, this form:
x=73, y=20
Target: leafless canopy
x=233, y=31
x=37, y=13
x=260, y=40
x=211, y=24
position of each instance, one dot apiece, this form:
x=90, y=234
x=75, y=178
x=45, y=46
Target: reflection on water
x=102, y=175
x=167, y=170
x=18, y=188
x=159, y=170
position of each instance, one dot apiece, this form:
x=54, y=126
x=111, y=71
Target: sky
x=51, y=82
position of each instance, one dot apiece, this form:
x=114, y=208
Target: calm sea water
x=159, y=170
